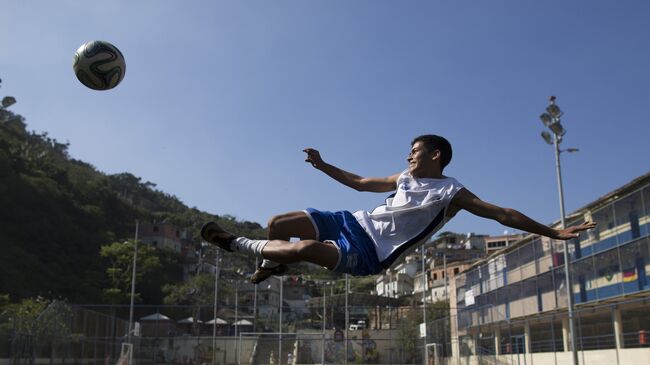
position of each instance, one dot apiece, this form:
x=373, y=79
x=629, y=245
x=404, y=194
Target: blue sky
x=220, y=97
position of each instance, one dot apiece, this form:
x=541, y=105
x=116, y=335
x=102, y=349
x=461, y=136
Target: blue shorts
x=357, y=255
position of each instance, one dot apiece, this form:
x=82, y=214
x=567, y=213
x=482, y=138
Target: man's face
x=420, y=160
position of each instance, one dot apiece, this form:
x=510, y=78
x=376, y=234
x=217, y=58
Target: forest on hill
x=62, y=222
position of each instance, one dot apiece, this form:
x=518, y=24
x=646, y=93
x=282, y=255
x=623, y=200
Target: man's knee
x=277, y=223
x=288, y=225
x=272, y=223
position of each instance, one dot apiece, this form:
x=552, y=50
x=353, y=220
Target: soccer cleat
x=211, y=232
x=263, y=273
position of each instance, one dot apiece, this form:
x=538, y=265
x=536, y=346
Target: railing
x=547, y=345
x=636, y=339
x=597, y=342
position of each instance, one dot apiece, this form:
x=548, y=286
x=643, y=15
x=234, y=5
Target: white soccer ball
x=99, y=65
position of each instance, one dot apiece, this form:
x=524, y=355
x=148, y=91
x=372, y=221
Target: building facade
x=498, y=243
x=514, y=302
x=161, y=235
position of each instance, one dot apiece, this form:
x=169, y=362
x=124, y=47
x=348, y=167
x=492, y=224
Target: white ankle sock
x=268, y=264
x=243, y=244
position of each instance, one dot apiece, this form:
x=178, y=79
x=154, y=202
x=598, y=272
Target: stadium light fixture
x=557, y=128
x=554, y=110
x=546, y=119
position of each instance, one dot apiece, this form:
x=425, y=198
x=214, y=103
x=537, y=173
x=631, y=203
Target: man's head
x=429, y=152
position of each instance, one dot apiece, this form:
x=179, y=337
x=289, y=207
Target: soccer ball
x=99, y=65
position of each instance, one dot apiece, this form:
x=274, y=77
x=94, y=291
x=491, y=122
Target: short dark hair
x=432, y=142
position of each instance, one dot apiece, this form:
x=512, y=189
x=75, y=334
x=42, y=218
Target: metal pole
x=239, y=351
x=324, y=323
x=236, y=305
x=390, y=334
x=214, y=325
x=237, y=340
x=424, y=306
x=280, y=329
x=255, y=302
x=332, y=306
x=567, y=276
x=347, y=317
x=135, y=258
x=444, y=269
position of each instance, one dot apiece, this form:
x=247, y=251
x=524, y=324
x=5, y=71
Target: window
x=526, y=254
x=646, y=210
x=628, y=211
x=456, y=270
x=496, y=244
x=605, y=232
x=634, y=258
x=584, y=280
x=512, y=260
x=155, y=228
x=608, y=274
x=538, y=248
x=545, y=292
x=177, y=233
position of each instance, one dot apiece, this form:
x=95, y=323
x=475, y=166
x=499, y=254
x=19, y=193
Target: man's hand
x=574, y=232
x=313, y=157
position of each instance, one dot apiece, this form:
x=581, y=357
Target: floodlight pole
x=567, y=275
x=553, y=124
x=135, y=258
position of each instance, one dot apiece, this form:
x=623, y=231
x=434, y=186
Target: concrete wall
x=638, y=356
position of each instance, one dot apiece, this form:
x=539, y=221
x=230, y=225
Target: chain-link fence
x=316, y=334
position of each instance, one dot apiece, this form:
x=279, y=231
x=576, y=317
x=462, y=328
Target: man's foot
x=263, y=273
x=214, y=234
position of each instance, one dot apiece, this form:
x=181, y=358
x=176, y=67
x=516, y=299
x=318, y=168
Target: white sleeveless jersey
x=413, y=214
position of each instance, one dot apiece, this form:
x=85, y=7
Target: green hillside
x=57, y=212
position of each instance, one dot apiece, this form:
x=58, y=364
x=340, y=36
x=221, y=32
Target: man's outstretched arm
x=356, y=182
x=465, y=199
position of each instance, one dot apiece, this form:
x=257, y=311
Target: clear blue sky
x=220, y=97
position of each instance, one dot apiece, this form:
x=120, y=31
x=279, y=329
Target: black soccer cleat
x=212, y=233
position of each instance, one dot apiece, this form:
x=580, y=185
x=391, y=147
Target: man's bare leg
x=280, y=249
x=316, y=252
x=281, y=229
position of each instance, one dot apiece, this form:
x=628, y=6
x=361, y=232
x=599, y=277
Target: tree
x=120, y=267
x=198, y=290
x=33, y=324
x=408, y=333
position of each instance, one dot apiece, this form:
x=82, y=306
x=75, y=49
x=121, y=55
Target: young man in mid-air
x=366, y=243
